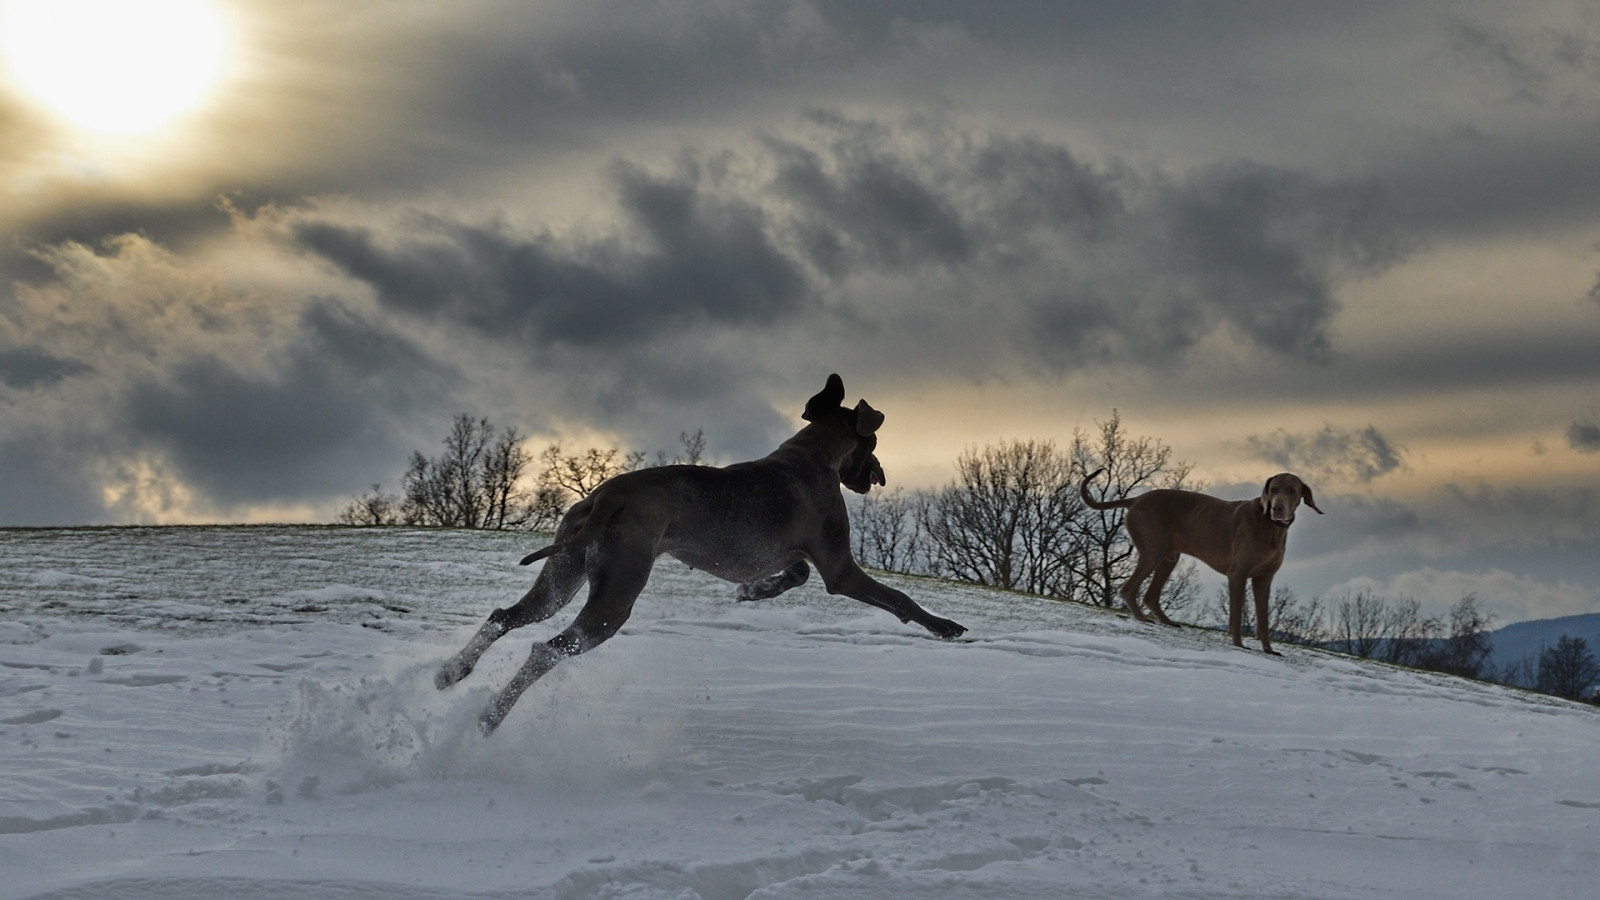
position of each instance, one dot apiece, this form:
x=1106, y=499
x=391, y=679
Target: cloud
x=859, y=202
x=24, y=368
x=1584, y=437
x=1501, y=58
x=159, y=386
x=835, y=222
x=683, y=257
x=1511, y=518
x=1333, y=454
x=1535, y=65
x=305, y=428
x=1512, y=597
x=48, y=482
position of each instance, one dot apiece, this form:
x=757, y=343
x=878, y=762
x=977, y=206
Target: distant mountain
x=1524, y=639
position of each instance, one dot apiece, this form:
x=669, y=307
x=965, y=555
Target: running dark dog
x=755, y=524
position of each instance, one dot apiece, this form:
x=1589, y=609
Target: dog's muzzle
x=868, y=473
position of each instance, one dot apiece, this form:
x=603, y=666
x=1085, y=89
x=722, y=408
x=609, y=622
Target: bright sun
x=120, y=67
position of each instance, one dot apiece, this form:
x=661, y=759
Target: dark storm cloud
x=86, y=216
x=1519, y=516
x=1584, y=437
x=1349, y=455
x=1530, y=64
x=1511, y=150
x=854, y=194
x=688, y=257
x=47, y=483
x=1354, y=523
x=23, y=368
x=760, y=239
x=1267, y=247
x=316, y=424
x=1501, y=59
x=652, y=394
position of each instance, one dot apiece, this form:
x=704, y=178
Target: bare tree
x=1101, y=555
x=1359, y=624
x=1001, y=521
x=429, y=497
x=1568, y=669
x=1294, y=622
x=1465, y=652
x=371, y=509
x=475, y=483
x=484, y=479
x=579, y=474
x=886, y=529
x=506, y=503
x=1406, y=634
x=1522, y=672
x=692, y=450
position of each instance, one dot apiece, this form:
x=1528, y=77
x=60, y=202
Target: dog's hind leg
x=558, y=581
x=773, y=585
x=615, y=581
x=1130, y=588
x=1158, y=581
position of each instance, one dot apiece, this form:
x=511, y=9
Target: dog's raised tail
x=1083, y=490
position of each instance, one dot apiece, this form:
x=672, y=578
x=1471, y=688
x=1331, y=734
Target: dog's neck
x=830, y=442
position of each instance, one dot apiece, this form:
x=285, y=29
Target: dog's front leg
x=1261, y=588
x=858, y=585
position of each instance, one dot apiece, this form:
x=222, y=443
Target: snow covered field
x=248, y=713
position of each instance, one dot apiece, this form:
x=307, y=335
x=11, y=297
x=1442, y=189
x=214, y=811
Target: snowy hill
x=1528, y=639
x=248, y=712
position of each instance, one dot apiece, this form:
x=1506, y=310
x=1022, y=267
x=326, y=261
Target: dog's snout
x=1281, y=511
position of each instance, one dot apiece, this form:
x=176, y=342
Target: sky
x=1358, y=241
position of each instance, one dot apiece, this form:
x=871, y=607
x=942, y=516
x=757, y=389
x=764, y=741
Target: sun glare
x=120, y=67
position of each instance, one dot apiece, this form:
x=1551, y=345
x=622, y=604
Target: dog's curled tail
x=1083, y=490
x=599, y=516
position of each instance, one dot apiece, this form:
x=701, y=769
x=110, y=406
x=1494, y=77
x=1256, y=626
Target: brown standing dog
x=1242, y=539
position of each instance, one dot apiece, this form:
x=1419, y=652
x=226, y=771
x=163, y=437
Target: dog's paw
x=491, y=718
x=449, y=673
x=946, y=629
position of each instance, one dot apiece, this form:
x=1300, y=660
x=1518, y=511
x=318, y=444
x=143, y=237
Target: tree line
x=1012, y=518
x=487, y=478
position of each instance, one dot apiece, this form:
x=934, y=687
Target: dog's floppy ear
x=826, y=401
x=868, y=420
x=1305, y=494
x=1263, y=498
